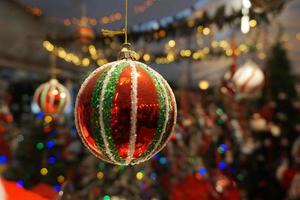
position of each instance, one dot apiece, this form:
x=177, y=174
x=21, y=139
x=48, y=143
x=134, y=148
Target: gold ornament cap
x=127, y=52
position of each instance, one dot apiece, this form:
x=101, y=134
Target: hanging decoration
x=52, y=97
x=125, y=111
x=84, y=34
x=249, y=79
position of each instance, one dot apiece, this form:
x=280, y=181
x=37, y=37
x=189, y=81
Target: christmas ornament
x=52, y=97
x=84, y=34
x=248, y=80
x=125, y=111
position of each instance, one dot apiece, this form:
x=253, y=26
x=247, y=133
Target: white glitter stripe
x=44, y=96
x=173, y=100
x=93, y=149
x=133, y=113
x=103, y=134
x=165, y=94
x=62, y=101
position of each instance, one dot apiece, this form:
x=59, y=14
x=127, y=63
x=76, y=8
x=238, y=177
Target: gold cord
x=53, y=65
x=126, y=21
x=111, y=33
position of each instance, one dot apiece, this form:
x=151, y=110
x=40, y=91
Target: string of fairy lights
x=171, y=54
x=92, y=21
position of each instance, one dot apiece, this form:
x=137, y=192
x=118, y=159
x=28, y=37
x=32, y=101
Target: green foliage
x=281, y=79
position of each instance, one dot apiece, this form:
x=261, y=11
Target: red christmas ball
x=85, y=35
x=125, y=112
x=52, y=97
x=248, y=80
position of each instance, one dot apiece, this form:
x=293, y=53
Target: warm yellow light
x=206, y=31
x=229, y=52
x=55, y=92
x=68, y=57
x=44, y=171
x=188, y=53
x=85, y=62
x=60, y=179
x=223, y=44
x=138, y=56
x=48, y=46
x=196, y=55
x=100, y=62
x=243, y=47
x=170, y=57
x=206, y=50
x=146, y=57
x=252, y=23
x=185, y=53
x=100, y=175
x=214, y=44
x=92, y=50
x=62, y=53
x=172, y=43
x=139, y=175
x=203, y=85
x=199, y=29
x=48, y=119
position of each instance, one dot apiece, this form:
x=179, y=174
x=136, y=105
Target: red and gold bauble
x=125, y=112
x=249, y=79
x=85, y=35
x=52, y=97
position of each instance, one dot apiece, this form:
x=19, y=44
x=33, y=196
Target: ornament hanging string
x=53, y=65
x=124, y=31
x=126, y=21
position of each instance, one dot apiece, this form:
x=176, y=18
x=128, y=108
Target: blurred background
x=234, y=68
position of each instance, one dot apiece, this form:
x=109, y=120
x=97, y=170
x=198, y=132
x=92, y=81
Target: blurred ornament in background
x=249, y=80
x=125, y=111
x=52, y=97
x=84, y=34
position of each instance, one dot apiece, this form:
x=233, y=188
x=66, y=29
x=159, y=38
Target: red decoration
x=11, y=191
x=125, y=112
x=52, y=97
x=248, y=80
x=85, y=35
x=193, y=189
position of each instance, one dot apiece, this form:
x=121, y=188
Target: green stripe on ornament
x=165, y=136
x=107, y=106
x=96, y=115
x=61, y=100
x=161, y=117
